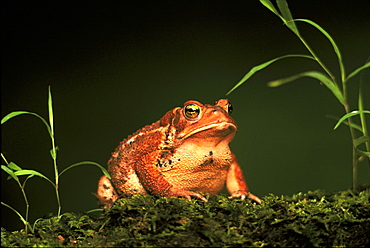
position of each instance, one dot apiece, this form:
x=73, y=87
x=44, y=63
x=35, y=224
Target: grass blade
x=87, y=163
x=363, y=153
x=34, y=173
x=358, y=70
x=16, y=113
x=25, y=181
x=9, y=171
x=13, y=114
x=314, y=74
x=361, y=108
x=264, y=65
x=271, y=7
x=346, y=116
x=95, y=210
x=15, y=211
x=355, y=126
x=13, y=166
x=287, y=16
x=359, y=141
x=334, y=45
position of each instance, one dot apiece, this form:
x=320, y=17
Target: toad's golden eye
x=191, y=111
x=229, y=108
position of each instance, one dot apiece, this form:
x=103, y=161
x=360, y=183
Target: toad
x=184, y=154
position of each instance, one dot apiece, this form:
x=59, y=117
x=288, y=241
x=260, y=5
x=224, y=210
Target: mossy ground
x=306, y=219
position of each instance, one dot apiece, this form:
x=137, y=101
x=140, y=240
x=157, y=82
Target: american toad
x=183, y=154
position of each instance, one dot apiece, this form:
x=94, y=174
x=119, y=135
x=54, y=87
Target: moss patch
x=306, y=219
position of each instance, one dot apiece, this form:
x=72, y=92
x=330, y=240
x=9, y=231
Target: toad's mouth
x=221, y=129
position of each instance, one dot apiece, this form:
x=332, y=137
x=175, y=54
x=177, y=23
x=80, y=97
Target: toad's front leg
x=236, y=184
x=154, y=182
x=106, y=193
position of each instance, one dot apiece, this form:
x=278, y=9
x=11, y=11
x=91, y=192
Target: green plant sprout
x=337, y=86
x=15, y=171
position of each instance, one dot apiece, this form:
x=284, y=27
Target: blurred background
x=114, y=67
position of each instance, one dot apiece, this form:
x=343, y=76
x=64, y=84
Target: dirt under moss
x=305, y=220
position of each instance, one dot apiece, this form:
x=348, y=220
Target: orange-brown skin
x=183, y=154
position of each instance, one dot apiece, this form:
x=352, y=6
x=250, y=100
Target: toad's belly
x=211, y=182
x=206, y=181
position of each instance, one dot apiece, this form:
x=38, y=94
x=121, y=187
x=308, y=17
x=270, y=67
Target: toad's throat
x=226, y=127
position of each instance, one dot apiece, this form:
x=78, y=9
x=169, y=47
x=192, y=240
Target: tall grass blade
x=362, y=115
x=50, y=108
x=314, y=74
x=53, y=151
x=264, y=65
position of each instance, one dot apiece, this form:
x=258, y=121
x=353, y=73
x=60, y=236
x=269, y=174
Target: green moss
x=306, y=219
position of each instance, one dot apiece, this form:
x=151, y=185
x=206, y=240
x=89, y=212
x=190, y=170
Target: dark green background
x=116, y=66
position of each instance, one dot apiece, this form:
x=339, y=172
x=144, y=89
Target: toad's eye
x=191, y=111
x=229, y=108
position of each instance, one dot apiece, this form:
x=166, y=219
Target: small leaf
x=264, y=65
x=13, y=166
x=346, y=116
x=53, y=153
x=287, y=15
x=314, y=74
